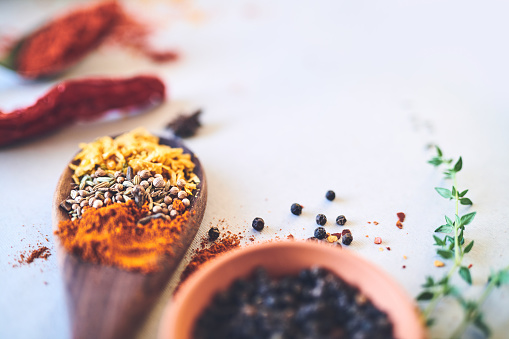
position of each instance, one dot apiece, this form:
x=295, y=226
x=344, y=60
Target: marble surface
x=298, y=98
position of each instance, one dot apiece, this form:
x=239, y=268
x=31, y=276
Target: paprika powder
x=79, y=100
x=111, y=235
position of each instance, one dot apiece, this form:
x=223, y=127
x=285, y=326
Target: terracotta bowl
x=282, y=258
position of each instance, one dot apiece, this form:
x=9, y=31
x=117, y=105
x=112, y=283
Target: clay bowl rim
x=405, y=318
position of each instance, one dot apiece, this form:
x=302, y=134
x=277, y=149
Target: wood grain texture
x=108, y=302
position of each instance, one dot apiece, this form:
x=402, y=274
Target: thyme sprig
x=452, y=247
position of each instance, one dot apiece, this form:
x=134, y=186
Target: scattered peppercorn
x=296, y=209
x=258, y=224
x=214, y=233
x=341, y=220
x=320, y=233
x=330, y=195
x=321, y=219
x=347, y=238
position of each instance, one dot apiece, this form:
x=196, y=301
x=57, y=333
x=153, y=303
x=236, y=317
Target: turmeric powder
x=111, y=235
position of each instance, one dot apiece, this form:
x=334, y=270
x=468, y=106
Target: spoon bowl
x=109, y=302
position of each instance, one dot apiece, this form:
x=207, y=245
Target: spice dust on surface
x=28, y=257
x=201, y=256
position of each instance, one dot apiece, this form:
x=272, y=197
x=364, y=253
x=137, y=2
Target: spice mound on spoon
x=125, y=212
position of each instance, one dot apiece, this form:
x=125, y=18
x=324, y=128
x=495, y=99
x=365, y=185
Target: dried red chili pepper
x=65, y=40
x=79, y=100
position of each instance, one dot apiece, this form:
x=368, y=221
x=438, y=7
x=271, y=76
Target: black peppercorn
x=213, y=233
x=341, y=220
x=347, y=238
x=330, y=195
x=258, y=224
x=321, y=219
x=296, y=209
x=320, y=233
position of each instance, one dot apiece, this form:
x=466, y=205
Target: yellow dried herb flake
x=138, y=149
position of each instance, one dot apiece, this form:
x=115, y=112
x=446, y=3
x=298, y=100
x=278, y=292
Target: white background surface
x=299, y=97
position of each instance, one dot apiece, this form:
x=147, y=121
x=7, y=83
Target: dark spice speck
x=341, y=220
x=330, y=195
x=296, y=209
x=258, y=224
x=321, y=219
x=347, y=238
x=214, y=233
x=320, y=233
x=185, y=126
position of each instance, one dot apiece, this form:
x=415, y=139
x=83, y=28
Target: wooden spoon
x=109, y=302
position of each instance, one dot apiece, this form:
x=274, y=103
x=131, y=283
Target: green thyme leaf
x=457, y=221
x=446, y=254
x=449, y=221
x=426, y=295
x=453, y=192
x=444, y=192
x=462, y=194
x=466, y=201
x=503, y=277
x=460, y=238
x=439, y=151
x=438, y=241
x=430, y=322
x=458, y=165
x=435, y=162
x=469, y=247
x=467, y=218
x=481, y=325
x=444, y=229
x=465, y=274
x=429, y=282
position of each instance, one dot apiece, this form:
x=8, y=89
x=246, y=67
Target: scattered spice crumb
x=378, y=240
x=367, y=236
x=332, y=238
x=438, y=263
x=27, y=258
x=369, y=222
x=375, y=222
x=185, y=126
x=388, y=248
x=381, y=249
x=399, y=224
x=470, y=266
x=404, y=266
x=401, y=216
x=405, y=257
x=290, y=237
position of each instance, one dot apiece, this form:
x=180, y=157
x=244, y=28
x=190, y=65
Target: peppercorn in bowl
x=294, y=290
